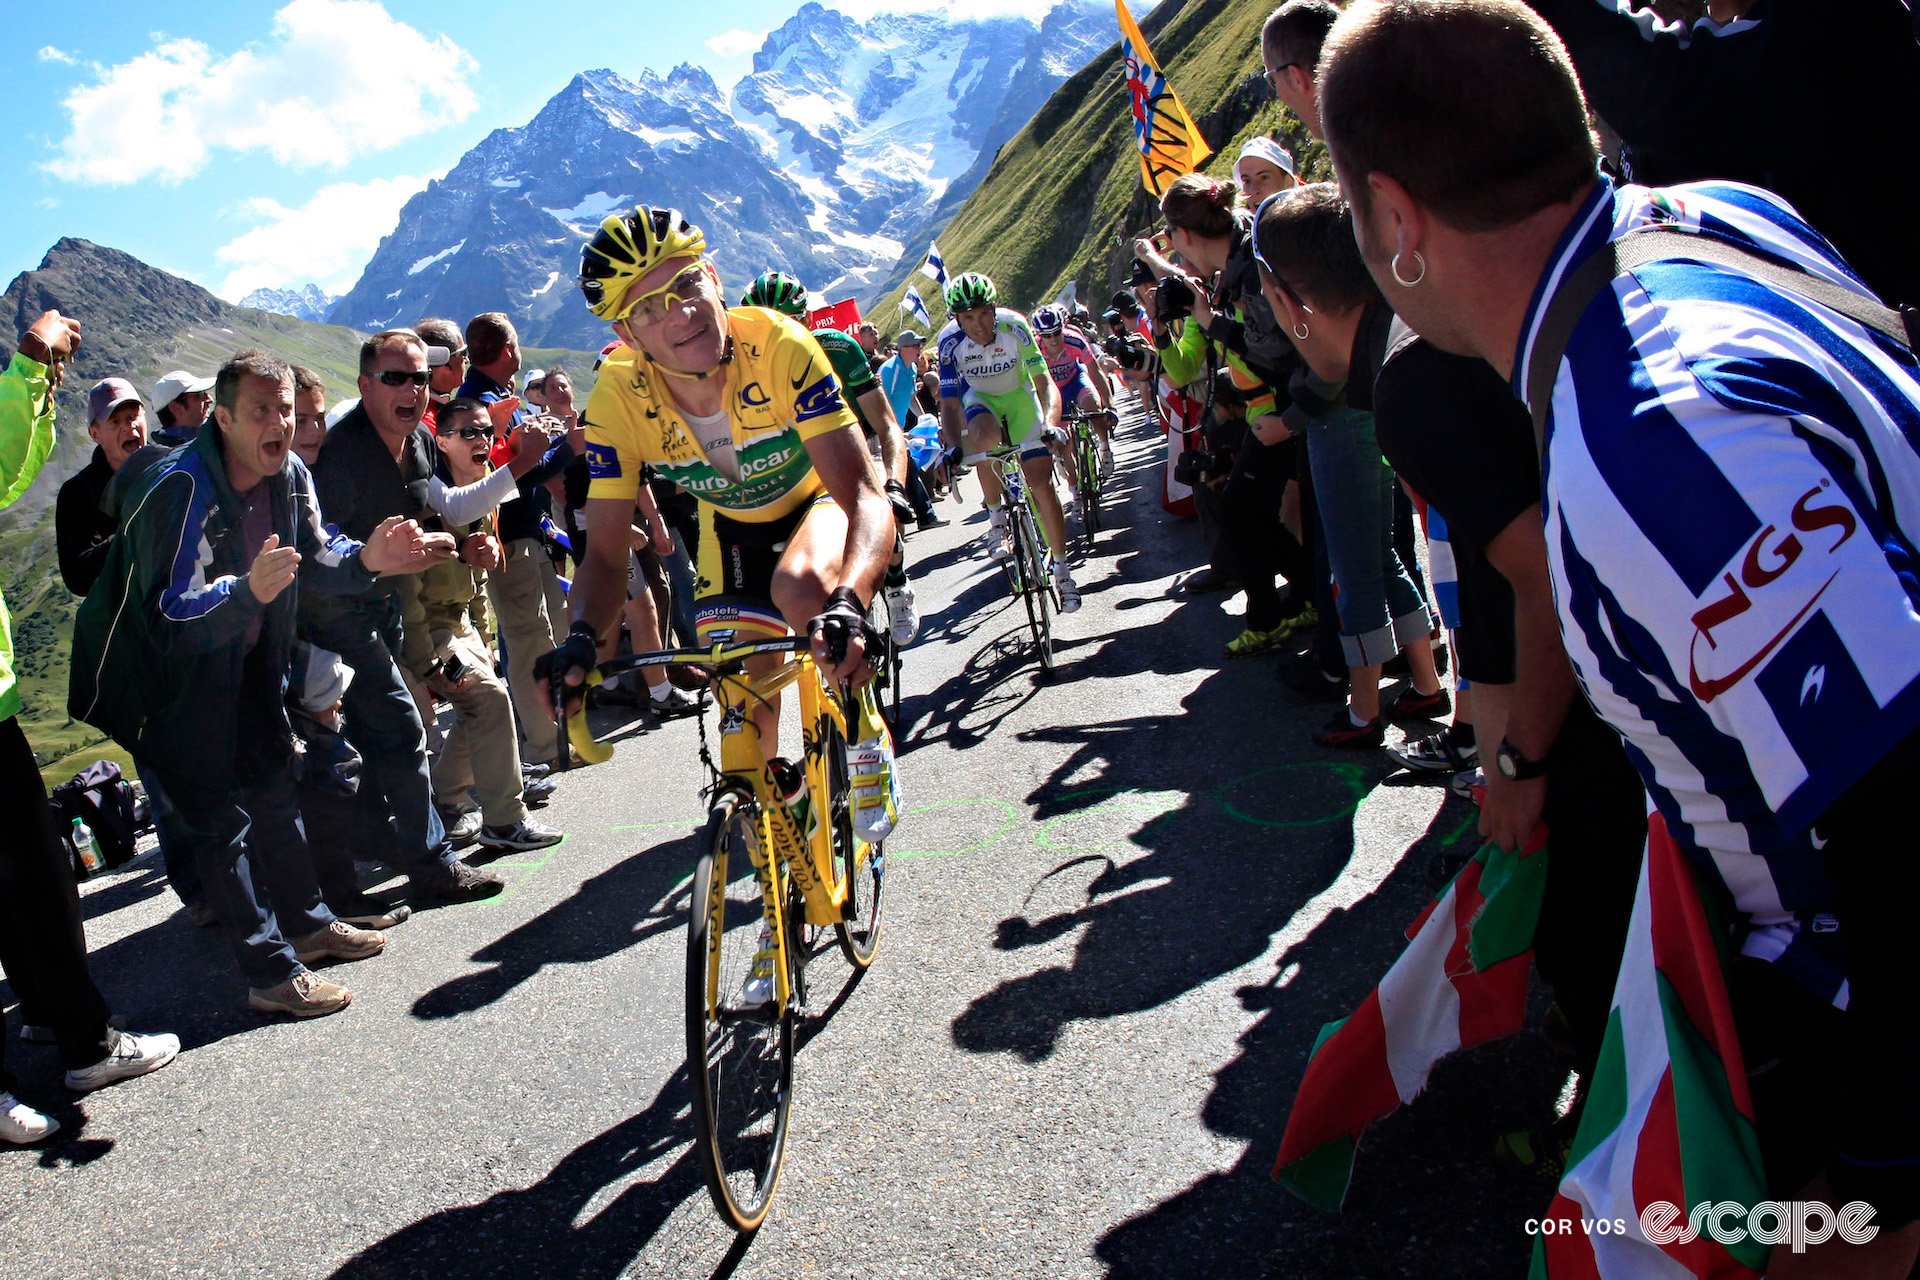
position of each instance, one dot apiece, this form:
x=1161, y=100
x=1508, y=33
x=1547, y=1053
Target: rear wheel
x=739, y=1057
x=862, y=866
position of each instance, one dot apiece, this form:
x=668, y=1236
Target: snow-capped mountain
x=828, y=160
x=309, y=303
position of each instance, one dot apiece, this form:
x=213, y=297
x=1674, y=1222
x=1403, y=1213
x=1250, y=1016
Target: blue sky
x=242, y=145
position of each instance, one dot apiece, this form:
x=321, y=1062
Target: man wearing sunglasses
x=379, y=461
x=741, y=409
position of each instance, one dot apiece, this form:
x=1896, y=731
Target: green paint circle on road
x=1351, y=785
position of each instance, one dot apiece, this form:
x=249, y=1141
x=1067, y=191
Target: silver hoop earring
x=1404, y=282
x=1300, y=330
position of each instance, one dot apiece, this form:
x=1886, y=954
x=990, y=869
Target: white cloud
x=50, y=54
x=327, y=240
x=737, y=43
x=338, y=78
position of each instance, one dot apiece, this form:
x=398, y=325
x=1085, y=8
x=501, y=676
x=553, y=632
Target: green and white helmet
x=971, y=289
x=777, y=291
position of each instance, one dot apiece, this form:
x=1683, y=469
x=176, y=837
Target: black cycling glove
x=837, y=623
x=902, y=508
x=578, y=652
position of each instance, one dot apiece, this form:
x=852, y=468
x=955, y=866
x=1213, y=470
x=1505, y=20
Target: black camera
x=1130, y=355
x=1174, y=300
x=1193, y=468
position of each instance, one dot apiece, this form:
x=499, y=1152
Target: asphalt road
x=1123, y=901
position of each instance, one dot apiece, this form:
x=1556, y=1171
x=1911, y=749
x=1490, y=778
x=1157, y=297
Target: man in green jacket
x=42, y=944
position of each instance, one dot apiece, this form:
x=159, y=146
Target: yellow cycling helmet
x=627, y=246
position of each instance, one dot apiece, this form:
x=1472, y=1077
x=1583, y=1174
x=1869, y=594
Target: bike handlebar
x=578, y=736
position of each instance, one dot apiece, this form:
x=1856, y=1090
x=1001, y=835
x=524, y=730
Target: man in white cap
x=181, y=402
x=1263, y=169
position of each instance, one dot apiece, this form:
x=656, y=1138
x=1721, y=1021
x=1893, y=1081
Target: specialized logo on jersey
x=818, y=400
x=1741, y=627
x=603, y=462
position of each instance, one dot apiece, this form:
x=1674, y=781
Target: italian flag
x=1461, y=982
x=1668, y=1116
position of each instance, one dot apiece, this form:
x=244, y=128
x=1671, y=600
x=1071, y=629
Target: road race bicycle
x=820, y=875
x=1085, y=442
x=1026, y=567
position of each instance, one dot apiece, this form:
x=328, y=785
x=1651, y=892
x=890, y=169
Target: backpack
x=110, y=807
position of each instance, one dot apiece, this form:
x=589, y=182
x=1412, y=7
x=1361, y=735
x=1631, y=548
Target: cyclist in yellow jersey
x=743, y=411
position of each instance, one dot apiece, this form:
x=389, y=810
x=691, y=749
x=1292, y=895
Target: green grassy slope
x=1064, y=198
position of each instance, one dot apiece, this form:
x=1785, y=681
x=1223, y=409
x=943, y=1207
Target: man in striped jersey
x=1731, y=498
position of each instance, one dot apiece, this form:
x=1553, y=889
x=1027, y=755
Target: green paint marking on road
x=686, y=823
x=1471, y=820
x=532, y=868
x=1350, y=777
x=1007, y=816
x=1157, y=804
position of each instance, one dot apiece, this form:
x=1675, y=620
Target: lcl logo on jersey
x=1766, y=561
x=753, y=395
x=818, y=400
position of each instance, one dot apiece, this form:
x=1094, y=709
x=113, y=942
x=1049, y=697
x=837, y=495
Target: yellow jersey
x=780, y=393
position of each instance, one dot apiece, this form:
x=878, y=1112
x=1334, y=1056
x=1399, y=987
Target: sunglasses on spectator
x=1279, y=281
x=1274, y=73
x=469, y=433
x=401, y=377
x=649, y=309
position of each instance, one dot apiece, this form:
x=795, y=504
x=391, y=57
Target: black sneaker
x=931, y=520
x=1439, y=752
x=1342, y=732
x=676, y=704
x=456, y=882
x=1304, y=676
x=520, y=837
x=1412, y=705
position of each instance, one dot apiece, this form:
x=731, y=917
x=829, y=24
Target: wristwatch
x=1515, y=767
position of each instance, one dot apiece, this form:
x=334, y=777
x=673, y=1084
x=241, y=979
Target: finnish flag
x=934, y=268
x=913, y=303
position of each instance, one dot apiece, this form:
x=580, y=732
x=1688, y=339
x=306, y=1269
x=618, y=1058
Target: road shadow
x=635, y=1187
x=599, y=919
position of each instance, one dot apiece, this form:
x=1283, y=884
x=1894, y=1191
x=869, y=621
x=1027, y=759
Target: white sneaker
x=21, y=1124
x=758, y=988
x=128, y=1055
x=906, y=618
x=1063, y=584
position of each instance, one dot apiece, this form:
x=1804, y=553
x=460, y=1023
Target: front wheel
x=739, y=1056
x=1089, y=458
x=862, y=866
x=1038, y=586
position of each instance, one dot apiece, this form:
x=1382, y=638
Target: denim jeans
x=176, y=850
x=383, y=724
x=1380, y=609
x=252, y=833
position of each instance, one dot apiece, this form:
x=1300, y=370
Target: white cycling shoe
x=905, y=614
x=1063, y=586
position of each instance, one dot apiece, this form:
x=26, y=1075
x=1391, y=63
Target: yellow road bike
x=778, y=866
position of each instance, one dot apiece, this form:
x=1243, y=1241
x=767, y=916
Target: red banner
x=843, y=315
